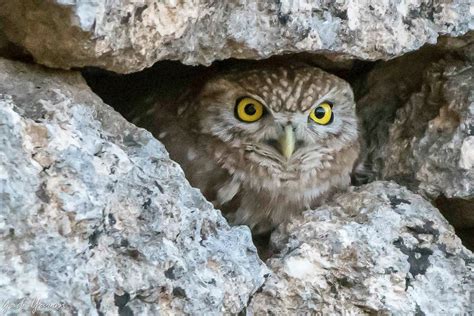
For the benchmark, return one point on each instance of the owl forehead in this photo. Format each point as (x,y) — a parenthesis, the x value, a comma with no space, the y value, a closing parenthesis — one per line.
(286,88)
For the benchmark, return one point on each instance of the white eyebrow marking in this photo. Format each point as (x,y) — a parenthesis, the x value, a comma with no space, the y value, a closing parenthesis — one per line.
(326,96)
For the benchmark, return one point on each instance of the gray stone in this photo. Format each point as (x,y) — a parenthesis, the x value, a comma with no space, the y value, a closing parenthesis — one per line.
(94,216)
(418,119)
(377,249)
(431,141)
(127,37)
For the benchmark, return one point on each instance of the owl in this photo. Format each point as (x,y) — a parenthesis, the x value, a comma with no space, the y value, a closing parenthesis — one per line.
(264,142)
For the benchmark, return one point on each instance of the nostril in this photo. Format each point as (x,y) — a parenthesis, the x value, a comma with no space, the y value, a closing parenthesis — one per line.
(293,127)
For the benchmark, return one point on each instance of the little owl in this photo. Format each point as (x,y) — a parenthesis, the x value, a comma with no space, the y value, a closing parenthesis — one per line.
(265,142)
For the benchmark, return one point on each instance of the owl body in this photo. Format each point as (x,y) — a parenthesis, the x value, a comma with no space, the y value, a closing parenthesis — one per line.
(264,143)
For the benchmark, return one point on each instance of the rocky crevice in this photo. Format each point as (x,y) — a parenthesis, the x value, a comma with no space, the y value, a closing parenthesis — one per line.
(95,218)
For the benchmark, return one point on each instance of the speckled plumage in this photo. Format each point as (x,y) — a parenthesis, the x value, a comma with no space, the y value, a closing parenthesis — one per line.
(235,164)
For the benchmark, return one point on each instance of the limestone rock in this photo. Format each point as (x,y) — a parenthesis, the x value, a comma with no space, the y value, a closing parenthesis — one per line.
(417,115)
(378,249)
(129,36)
(431,141)
(94,216)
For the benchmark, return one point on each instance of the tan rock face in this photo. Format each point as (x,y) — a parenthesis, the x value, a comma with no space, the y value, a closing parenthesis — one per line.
(127,37)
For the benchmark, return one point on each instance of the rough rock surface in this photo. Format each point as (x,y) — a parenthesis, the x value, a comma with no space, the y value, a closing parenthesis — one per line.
(129,36)
(378,249)
(94,216)
(431,141)
(418,119)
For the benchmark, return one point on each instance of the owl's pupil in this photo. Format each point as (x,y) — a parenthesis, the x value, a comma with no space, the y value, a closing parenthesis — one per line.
(250,109)
(320,112)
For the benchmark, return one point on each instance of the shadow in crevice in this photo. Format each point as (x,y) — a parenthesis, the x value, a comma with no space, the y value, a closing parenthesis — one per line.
(460,214)
(12,51)
(134,95)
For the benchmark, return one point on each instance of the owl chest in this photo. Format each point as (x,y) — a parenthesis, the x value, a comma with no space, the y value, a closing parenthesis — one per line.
(269,203)
(266,191)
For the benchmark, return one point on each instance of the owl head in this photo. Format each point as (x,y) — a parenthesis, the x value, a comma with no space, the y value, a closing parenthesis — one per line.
(280,122)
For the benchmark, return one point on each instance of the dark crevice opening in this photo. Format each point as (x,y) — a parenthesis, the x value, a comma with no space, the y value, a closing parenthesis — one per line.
(459,213)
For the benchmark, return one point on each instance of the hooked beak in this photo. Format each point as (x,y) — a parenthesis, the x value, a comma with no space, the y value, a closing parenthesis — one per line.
(287,142)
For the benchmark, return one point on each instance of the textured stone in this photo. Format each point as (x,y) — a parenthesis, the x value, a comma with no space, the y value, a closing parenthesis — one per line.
(377,249)
(417,115)
(129,36)
(430,141)
(94,216)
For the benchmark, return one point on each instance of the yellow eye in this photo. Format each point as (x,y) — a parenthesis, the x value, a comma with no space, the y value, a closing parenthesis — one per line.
(322,114)
(248,110)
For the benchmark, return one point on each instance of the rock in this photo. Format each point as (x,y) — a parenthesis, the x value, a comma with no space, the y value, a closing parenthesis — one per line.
(417,115)
(430,142)
(377,249)
(127,37)
(96,219)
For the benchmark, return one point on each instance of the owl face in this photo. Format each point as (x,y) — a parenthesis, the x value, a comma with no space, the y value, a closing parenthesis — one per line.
(287,120)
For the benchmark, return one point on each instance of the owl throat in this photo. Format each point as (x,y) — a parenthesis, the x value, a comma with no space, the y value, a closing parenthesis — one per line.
(263,192)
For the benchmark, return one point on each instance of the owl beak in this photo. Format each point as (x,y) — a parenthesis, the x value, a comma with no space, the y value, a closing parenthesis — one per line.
(287,142)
